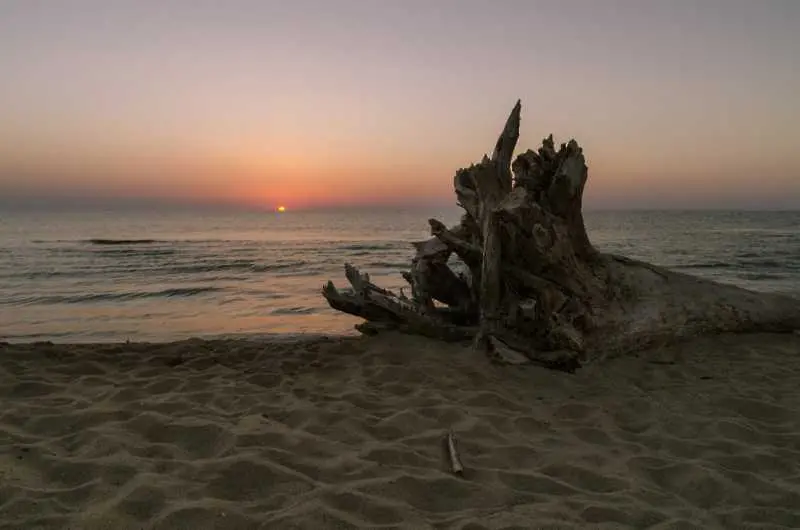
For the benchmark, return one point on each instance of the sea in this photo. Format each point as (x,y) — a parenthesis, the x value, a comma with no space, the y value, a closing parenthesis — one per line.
(162,275)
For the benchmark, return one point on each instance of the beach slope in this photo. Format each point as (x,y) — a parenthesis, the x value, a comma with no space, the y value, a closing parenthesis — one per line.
(347,433)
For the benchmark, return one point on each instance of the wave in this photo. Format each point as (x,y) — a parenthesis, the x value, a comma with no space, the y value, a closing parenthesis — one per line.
(106,250)
(123,241)
(766,264)
(243,265)
(42,275)
(751,264)
(706,265)
(760,276)
(142,241)
(315,271)
(294,311)
(389,265)
(135,252)
(115,297)
(132,268)
(368,247)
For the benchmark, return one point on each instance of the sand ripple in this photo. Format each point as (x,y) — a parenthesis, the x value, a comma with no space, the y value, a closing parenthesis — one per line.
(348,434)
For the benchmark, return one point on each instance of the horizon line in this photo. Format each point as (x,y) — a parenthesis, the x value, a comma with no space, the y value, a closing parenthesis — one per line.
(123,204)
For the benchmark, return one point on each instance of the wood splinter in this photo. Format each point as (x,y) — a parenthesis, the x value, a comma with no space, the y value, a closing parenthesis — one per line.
(452,452)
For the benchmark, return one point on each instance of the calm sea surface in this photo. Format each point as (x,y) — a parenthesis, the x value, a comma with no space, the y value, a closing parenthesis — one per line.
(71,277)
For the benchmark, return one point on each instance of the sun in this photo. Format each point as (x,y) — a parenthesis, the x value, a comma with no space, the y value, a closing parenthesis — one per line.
(280,209)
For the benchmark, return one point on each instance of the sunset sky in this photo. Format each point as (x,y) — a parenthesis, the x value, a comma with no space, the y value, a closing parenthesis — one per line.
(677,103)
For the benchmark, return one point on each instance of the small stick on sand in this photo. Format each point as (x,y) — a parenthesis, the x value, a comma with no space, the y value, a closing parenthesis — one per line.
(452,452)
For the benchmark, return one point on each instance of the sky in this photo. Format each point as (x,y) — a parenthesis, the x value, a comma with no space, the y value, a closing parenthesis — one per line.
(677,103)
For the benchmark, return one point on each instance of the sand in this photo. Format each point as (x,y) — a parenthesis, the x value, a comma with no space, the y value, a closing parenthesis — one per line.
(347,433)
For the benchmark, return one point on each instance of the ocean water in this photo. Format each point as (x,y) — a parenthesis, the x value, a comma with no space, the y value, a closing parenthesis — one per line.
(157,276)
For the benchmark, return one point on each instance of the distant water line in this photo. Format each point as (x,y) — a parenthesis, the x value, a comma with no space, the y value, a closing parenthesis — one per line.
(93,277)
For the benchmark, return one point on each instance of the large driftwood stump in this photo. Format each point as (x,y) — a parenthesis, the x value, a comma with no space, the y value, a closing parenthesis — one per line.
(536,289)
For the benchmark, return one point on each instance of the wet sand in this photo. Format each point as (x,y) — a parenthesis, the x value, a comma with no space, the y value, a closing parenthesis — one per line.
(347,433)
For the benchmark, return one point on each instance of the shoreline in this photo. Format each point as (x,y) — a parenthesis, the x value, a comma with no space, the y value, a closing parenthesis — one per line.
(346,432)
(263,337)
(282,338)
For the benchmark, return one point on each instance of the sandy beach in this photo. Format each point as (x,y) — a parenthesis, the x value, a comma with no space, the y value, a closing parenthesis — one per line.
(347,433)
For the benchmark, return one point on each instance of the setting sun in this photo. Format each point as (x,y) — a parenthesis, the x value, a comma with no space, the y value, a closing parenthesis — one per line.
(281,209)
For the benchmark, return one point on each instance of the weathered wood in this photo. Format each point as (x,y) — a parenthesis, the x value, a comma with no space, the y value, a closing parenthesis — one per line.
(390,311)
(432,279)
(537,289)
(470,253)
(473,255)
(509,348)
(452,454)
(505,355)
(492,180)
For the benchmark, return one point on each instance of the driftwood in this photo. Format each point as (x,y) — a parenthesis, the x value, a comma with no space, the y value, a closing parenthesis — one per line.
(534,289)
(452,454)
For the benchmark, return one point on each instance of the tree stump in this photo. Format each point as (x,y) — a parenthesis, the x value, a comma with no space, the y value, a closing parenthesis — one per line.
(536,289)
